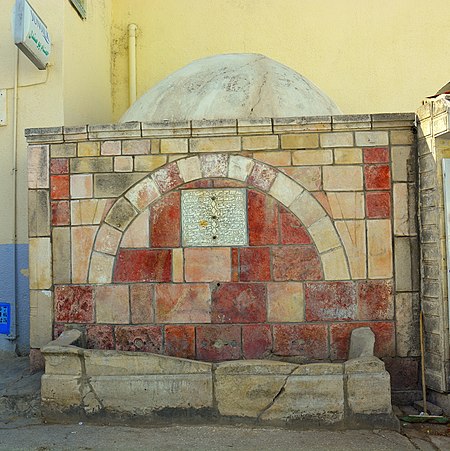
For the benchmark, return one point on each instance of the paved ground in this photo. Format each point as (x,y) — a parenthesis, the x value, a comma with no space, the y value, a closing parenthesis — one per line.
(22,429)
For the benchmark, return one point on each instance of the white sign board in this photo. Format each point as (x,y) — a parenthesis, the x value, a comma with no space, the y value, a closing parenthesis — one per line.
(31,34)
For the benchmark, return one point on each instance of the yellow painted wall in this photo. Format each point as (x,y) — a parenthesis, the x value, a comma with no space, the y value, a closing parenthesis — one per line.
(368,55)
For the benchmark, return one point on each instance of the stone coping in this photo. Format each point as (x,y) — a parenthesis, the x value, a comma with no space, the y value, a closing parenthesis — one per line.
(122,385)
(224,127)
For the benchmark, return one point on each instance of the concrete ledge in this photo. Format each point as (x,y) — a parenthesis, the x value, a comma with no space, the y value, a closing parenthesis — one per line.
(95,384)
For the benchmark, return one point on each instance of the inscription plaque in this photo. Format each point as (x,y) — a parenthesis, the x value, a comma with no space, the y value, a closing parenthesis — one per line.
(214,217)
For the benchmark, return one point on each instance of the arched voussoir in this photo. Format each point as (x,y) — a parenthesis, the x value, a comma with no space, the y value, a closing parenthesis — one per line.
(251,172)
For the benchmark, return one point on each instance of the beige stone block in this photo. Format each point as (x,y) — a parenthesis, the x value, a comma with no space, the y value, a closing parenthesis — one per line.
(89,149)
(112,304)
(353,236)
(91,164)
(61,254)
(324,234)
(402,164)
(214,127)
(309,398)
(87,211)
(340,139)
(38,213)
(254,126)
(351,155)
(60,391)
(379,248)
(147,163)
(401,213)
(63,150)
(177,157)
(307,209)
(402,137)
(300,141)
(407,308)
(342,178)
(111,148)
(179,145)
(177,265)
(285,302)
(82,240)
(38,162)
(155,146)
(285,189)
(309,177)
(335,265)
(101,268)
(239,168)
(218,144)
(136,147)
(346,205)
(269,142)
(41,318)
(403,264)
(123,164)
(107,240)
(190,168)
(81,186)
(274,158)
(369,394)
(147,393)
(378,138)
(40,263)
(312,157)
(138,234)
(143,194)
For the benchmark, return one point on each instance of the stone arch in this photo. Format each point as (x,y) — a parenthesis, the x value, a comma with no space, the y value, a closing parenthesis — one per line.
(265,178)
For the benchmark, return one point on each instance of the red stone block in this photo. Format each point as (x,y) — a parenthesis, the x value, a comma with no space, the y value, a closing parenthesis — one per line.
(340,338)
(168,177)
(404,372)
(196,184)
(375,300)
(100,337)
(262,176)
(262,219)
(143,265)
(377,176)
(292,230)
(239,303)
(59,166)
(330,301)
(235,265)
(307,340)
(141,303)
(183,303)
(378,205)
(180,341)
(376,155)
(165,220)
(216,343)
(60,213)
(139,338)
(227,183)
(256,341)
(59,187)
(296,263)
(74,304)
(255,264)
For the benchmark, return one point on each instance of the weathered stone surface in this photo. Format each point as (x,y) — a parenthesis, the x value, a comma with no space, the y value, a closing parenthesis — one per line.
(407,326)
(190,168)
(285,189)
(309,177)
(112,304)
(334,265)
(274,158)
(138,232)
(307,209)
(353,236)
(107,240)
(121,214)
(343,139)
(219,144)
(143,194)
(91,164)
(312,157)
(82,240)
(260,142)
(351,155)
(285,302)
(239,167)
(37,167)
(324,234)
(378,138)
(113,185)
(300,141)
(362,341)
(379,251)
(61,255)
(40,265)
(41,317)
(342,178)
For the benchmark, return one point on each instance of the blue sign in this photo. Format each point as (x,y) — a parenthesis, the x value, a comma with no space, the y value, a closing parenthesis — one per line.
(5,318)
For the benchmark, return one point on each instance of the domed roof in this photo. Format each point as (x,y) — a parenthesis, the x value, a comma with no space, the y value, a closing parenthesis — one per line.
(234,86)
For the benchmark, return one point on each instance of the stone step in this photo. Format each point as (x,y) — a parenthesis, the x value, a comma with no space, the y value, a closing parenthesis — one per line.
(433,409)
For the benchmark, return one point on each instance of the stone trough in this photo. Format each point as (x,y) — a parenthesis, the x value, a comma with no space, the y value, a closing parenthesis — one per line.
(150,388)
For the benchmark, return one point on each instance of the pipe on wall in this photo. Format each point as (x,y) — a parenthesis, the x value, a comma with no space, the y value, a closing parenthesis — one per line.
(132,63)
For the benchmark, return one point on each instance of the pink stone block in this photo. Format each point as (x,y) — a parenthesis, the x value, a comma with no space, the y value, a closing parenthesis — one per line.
(207,264)
(139,338)
(138,232)
(168,177)
(60,213)
(285,302)
(112,304)
(165,216)
(59,166)
(141,303)
(262,219)
(216,343)
(74,304)
(262,176)
(296,263)
(214,165)
(256,341)
(82,240)
(182,303)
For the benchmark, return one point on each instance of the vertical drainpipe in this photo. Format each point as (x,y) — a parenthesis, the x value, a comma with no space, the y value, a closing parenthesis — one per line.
(132,63)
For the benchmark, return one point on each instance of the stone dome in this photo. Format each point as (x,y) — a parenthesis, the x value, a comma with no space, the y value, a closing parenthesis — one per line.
(233,86)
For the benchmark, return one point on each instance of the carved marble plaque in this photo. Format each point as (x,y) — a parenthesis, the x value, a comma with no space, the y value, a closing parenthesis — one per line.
(214,217)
